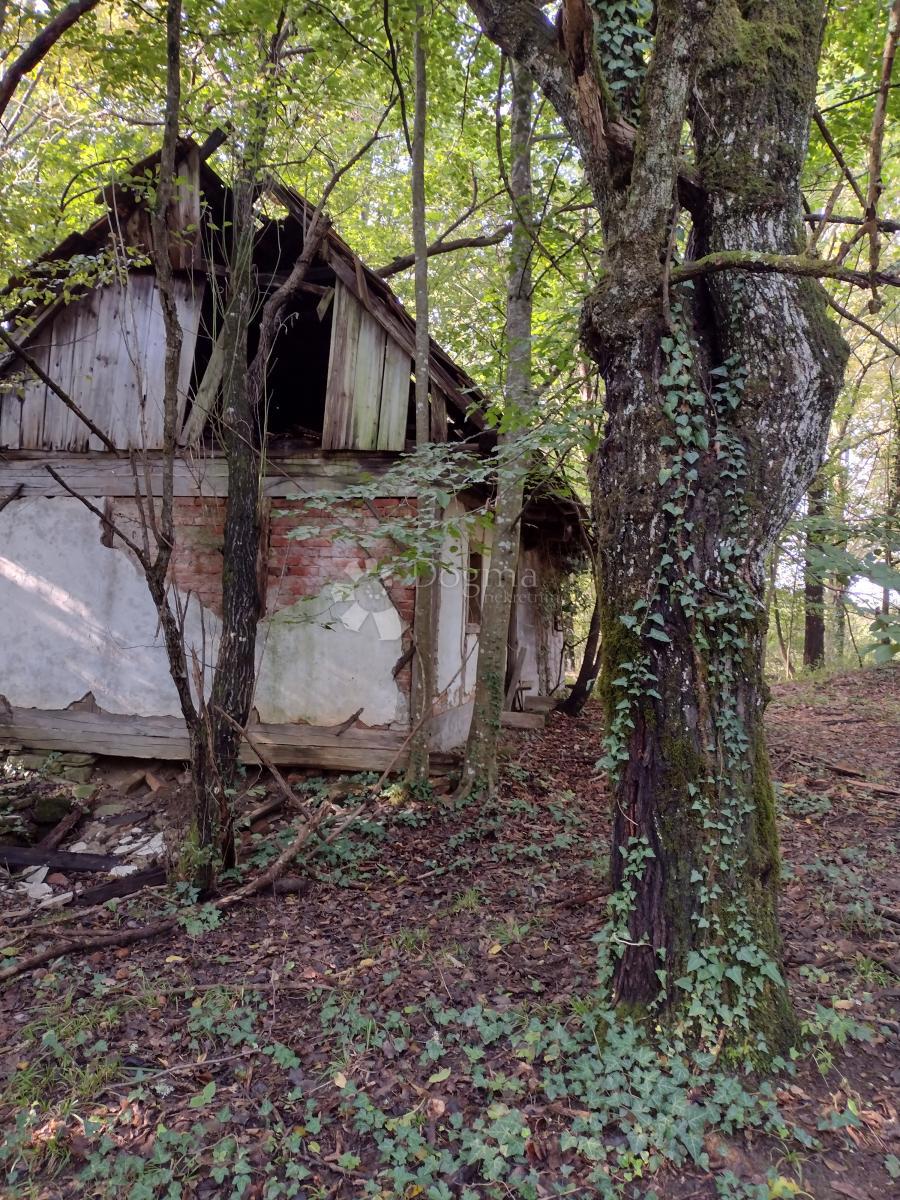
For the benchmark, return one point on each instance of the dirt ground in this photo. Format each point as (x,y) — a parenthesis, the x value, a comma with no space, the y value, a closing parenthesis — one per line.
(391,1028)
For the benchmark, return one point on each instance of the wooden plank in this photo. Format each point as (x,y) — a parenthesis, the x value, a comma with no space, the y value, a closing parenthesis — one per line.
(337,424)
(438,414)
(59,422)
(405,336)
(367,383)
(34,394)
(523,720)
(11,417)
(102,475)
(166,738)
(84,364)
(60,860)
(395,397)
(150,412)
(205,396)
(514,678)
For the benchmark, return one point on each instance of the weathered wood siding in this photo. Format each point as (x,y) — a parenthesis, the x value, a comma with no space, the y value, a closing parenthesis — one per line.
(367,396)
(107,351)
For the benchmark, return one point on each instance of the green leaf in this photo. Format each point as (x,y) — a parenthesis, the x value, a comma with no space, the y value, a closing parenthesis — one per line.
(203,1098)
(439,1076)
(658,635)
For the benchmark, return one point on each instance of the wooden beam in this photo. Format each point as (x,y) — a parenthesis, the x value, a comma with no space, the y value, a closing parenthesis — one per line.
(96,474)
(523,720)
(129,736)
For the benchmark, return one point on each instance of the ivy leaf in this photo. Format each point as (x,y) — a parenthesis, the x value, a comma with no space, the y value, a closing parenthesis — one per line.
(203,1098)
(658,635)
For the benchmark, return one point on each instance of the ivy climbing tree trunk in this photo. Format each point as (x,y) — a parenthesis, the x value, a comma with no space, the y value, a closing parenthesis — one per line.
(718,399)
(480,766)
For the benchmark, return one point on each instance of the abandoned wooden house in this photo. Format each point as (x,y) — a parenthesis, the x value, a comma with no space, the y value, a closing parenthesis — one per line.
(81,659)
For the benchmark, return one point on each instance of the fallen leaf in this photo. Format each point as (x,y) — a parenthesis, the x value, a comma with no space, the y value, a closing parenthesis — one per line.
(340,1080)
(439,1076)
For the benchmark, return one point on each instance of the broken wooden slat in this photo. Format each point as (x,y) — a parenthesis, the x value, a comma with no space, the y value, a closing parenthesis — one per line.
(367,384)
(116,888)
(337,424)
(34,395)
(59,860)
(395,397)
(205,396)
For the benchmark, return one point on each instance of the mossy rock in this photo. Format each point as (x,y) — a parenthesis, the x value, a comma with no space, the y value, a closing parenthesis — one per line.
(51,808)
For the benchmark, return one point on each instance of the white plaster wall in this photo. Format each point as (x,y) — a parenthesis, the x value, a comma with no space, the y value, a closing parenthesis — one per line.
(543,644)
(76,616)
(457,650)
(316,669)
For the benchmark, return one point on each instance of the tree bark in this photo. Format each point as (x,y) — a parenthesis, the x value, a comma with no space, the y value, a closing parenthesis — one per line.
(813,583)
(480,766)
(718,401)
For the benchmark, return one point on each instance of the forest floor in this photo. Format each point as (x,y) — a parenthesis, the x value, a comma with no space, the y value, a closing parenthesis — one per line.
(419,1021)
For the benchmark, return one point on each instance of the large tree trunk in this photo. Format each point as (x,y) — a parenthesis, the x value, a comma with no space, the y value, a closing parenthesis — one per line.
(718,400)
(813,582)
(682,555)
(480,766)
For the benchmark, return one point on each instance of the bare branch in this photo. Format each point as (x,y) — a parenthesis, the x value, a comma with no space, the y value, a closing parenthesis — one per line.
(814,218)
(876,143)
(870,329)
(403,262)
(104,519)
(838,156)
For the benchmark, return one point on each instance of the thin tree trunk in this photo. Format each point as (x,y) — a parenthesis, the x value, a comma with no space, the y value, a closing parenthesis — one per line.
(424,617)
(480,767)
(583,688)
(813,584)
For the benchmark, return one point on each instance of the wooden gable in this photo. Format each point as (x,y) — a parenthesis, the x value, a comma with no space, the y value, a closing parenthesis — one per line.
(107,351)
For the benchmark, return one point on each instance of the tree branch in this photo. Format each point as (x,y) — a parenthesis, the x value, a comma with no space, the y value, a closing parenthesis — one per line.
(403,262)
(870,329)
(781,264)
(885,225)
(40,47)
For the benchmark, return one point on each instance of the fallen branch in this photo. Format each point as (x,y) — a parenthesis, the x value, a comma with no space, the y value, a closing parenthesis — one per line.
(128,937)
(70,821)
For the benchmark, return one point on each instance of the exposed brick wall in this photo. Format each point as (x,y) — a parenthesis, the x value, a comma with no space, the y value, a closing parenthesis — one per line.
(196,563)
(301,567)
(296,568)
